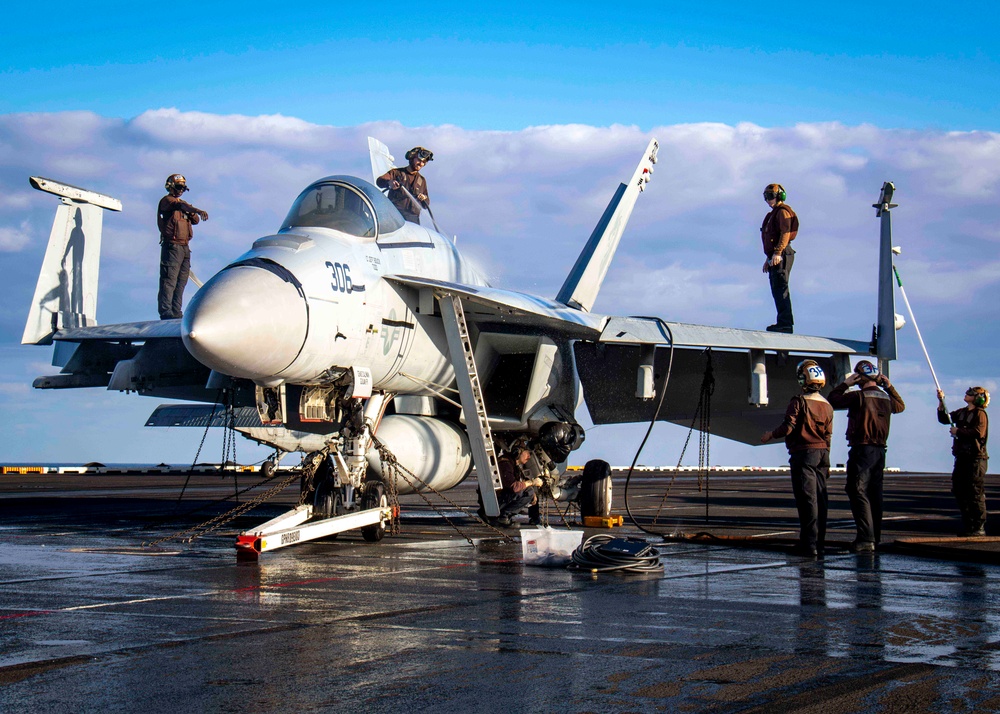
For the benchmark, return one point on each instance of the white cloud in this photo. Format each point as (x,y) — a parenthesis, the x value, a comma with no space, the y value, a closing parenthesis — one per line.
(15,201)
(171,126)
(76,132)
(950,282)
(14,239)
(679,293)
(15,390)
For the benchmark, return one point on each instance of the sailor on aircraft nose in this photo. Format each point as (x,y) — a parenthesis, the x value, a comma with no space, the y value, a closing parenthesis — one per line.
(248,321)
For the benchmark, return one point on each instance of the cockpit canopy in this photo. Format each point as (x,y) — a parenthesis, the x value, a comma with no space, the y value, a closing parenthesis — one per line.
(346,204)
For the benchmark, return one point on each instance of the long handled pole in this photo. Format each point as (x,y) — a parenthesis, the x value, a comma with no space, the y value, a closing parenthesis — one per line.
(419,205)
(902,291)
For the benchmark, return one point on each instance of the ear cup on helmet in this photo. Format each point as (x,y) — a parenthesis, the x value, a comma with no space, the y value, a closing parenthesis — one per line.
(775,191)
(810,375)
(980,396)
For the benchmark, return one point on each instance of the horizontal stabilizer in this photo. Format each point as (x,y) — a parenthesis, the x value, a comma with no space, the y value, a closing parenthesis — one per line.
(202,415)
(245,420)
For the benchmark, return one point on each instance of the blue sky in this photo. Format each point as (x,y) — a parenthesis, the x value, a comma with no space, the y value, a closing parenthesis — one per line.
(513,66)
(535,114)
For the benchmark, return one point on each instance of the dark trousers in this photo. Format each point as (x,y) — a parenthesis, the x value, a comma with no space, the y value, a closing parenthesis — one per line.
(513,503)
(175,266)
(778,276)
(968,483)
(810,471)
(865,464)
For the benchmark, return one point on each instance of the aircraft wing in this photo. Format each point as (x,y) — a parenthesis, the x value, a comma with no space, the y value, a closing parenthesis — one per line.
(750,374)
(752,371)
(492,306)
(651,330)
(127,331)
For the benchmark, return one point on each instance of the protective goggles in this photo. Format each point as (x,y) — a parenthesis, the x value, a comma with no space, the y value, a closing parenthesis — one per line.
(770,195)
(425,154)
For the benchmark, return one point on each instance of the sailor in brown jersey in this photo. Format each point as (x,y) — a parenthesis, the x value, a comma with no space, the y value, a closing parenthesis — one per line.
(970,428)
(407,186)
(777,231)
(807,429)
(868,412)
(519,492)
(174,218)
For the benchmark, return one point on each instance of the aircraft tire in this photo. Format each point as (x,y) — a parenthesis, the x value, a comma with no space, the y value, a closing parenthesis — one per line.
(326,500)
(374,497)
(595,491)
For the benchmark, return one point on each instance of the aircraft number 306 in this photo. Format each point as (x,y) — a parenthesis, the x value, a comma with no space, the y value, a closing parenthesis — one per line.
(341,277)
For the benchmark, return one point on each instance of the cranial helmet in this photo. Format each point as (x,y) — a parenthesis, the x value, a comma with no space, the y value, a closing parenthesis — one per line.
(774,191)
(810,375)
(980,397)
(176,182)
(866,370)
(421,153)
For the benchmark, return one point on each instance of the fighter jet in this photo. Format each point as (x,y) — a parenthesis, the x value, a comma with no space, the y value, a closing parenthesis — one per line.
(350,334)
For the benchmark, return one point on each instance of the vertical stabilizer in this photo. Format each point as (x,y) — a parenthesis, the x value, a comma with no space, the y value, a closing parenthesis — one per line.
(382,160)
(885,343)
(584,281)
(66,292)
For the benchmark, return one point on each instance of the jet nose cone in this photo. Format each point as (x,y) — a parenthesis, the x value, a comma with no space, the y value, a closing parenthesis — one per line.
(246,322)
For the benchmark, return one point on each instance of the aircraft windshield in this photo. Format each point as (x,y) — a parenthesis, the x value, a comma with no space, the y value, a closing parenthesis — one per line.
(332,206)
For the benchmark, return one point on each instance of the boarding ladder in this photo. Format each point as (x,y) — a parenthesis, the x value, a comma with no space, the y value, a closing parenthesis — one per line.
(471,392)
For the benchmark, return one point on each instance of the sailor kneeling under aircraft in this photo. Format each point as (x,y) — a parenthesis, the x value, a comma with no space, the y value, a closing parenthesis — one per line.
(518,492)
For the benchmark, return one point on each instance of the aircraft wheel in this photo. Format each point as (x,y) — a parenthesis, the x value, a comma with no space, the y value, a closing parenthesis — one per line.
(326,501)
(595,491)
(267,469)
(374,497)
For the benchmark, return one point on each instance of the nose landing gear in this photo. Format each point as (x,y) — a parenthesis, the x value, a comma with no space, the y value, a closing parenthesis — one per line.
(375,497)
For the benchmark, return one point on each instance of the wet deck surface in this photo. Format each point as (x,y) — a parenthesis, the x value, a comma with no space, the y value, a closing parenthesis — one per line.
(91,621)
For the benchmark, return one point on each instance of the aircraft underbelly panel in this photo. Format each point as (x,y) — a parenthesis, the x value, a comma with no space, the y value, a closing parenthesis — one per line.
(609,375)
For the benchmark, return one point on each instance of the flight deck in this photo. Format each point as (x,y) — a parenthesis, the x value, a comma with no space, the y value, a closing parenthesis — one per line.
(445,615)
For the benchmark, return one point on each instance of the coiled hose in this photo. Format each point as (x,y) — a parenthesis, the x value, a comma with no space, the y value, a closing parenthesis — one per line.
(595,555)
